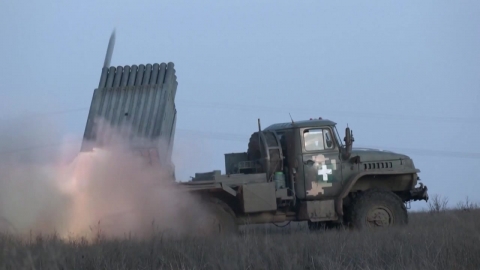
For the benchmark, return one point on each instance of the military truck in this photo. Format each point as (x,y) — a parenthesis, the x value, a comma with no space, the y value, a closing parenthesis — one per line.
(294,171)
(303,171)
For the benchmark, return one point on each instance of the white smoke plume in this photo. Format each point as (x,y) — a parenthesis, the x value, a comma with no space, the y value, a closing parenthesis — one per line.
(111,188)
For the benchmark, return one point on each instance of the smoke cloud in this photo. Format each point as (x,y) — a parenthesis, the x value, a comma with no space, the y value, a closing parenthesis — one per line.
(112,188)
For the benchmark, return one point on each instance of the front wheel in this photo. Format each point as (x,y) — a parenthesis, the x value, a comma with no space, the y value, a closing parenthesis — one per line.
(377,209)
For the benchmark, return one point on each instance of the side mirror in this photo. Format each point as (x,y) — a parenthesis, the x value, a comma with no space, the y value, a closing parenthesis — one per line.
(347,151)
(348,136)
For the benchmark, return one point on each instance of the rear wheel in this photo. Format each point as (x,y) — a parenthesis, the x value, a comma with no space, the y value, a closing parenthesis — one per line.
(377,209)
(218,219)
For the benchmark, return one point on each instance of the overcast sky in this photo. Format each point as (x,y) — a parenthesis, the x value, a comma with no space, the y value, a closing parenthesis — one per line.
(404,75)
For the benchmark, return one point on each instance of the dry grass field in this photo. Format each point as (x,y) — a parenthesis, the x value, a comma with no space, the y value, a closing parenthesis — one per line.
(439,238)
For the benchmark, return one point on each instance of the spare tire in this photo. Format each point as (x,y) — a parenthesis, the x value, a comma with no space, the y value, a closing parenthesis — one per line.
(256,151)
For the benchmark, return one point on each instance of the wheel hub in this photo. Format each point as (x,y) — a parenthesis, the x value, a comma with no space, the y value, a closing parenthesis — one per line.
(380,217)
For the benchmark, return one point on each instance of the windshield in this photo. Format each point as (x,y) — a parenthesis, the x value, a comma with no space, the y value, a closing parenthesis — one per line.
(337,136)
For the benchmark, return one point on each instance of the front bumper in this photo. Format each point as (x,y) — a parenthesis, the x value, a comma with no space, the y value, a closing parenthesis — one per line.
(419,193)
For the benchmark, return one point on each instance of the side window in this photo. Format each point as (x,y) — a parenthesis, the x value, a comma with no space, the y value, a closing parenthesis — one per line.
(317,139)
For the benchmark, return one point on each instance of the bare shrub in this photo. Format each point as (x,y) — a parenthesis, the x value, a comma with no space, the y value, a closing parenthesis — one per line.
(437,204)
(467,205)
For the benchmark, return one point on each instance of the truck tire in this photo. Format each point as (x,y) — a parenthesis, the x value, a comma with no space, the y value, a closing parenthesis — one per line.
(377,209)
(219,218)
(254,151)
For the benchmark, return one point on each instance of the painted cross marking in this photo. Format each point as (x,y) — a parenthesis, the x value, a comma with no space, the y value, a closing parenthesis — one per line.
(325,172)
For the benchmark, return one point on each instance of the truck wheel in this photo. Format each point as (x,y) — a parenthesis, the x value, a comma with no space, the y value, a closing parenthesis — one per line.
(219,218)
(377,209)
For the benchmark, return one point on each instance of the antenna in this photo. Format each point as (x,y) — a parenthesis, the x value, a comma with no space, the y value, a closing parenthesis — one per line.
(291,118)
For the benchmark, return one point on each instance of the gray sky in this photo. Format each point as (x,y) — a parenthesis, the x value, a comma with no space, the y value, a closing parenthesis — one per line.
(403,75)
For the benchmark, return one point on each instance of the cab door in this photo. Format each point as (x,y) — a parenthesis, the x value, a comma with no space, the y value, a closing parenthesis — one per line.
(322,168)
